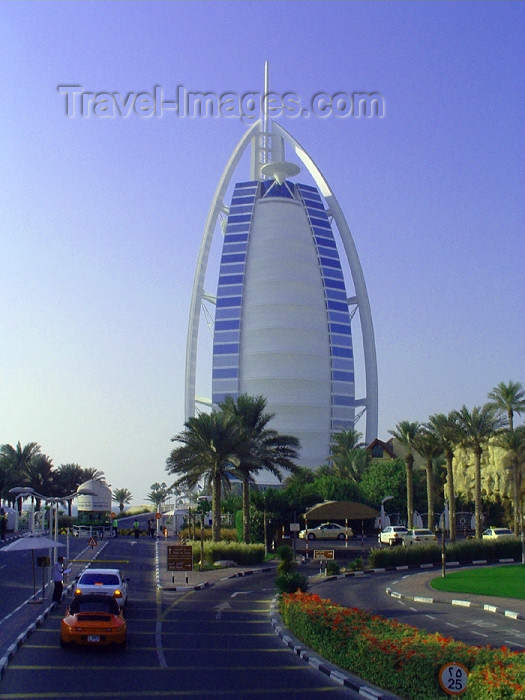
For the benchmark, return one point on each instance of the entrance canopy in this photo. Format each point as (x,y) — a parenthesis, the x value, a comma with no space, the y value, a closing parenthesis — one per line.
(341,510)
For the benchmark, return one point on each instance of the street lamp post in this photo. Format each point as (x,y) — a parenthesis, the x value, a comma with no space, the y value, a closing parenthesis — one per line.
(52,502)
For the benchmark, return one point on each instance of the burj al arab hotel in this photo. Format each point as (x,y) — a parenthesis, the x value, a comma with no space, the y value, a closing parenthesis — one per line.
(288,294)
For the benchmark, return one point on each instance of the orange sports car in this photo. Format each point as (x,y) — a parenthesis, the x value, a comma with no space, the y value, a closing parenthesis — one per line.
(93,620)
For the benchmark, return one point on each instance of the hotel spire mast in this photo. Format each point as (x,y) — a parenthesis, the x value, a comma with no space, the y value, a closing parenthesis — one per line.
(283,317)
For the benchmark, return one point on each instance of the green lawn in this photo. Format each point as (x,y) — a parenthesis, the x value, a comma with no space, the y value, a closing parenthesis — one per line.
(504,581)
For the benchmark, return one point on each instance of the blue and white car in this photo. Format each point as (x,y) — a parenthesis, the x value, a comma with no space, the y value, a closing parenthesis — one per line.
(104,582)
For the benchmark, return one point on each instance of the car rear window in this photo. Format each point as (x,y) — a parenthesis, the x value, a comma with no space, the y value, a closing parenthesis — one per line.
(99,579)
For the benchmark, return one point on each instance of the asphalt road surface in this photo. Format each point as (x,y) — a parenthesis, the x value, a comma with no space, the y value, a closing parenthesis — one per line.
(470,625)
(216,642)
(212,643)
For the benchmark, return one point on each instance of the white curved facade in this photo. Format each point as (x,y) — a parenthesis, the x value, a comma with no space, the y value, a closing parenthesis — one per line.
(283,313)
(285,353)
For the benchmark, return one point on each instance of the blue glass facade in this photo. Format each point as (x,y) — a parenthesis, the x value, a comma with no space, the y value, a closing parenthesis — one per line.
(227,333)
(338,317)
(228,317)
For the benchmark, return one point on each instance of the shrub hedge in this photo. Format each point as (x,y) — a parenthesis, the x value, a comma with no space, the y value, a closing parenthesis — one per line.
(463,551)
(241,554)
(396,657)
(227,533)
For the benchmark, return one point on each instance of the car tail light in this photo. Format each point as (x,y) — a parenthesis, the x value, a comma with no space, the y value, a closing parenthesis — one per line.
(78,591)
(117,593)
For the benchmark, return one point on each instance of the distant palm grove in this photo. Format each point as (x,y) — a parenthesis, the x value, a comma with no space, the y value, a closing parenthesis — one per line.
(235,443)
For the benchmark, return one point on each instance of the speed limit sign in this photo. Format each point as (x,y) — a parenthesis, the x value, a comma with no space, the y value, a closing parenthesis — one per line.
(453,678)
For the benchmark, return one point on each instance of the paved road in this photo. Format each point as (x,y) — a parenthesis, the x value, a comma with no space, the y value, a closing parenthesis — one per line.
(212,643)
(468,624)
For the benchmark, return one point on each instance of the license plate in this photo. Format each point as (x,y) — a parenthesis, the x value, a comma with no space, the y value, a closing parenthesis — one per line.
(93,638)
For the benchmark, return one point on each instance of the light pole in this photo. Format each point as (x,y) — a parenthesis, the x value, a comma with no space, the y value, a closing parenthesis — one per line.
(21,491)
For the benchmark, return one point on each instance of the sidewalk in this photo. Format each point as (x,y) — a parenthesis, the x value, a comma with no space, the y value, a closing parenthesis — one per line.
(30,614)
(416,587)
(193,580)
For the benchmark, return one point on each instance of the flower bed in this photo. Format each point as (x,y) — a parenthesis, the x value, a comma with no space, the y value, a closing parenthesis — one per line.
(399,658)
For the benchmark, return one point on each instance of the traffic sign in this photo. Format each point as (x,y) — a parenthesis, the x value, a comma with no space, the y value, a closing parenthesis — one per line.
(92,542)
(180,558)
(323,553)
(453,678)
(158,515)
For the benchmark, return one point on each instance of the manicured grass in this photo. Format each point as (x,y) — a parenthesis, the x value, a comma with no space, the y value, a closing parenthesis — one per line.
(504,581)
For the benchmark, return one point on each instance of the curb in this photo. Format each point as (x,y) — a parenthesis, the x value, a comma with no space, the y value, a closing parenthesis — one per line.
(464,603)
(199,586)
(430,600)
(305,653)
(11,651)
(24,636)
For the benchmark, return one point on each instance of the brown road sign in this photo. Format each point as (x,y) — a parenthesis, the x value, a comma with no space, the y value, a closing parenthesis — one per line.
(323,553)
(180,557)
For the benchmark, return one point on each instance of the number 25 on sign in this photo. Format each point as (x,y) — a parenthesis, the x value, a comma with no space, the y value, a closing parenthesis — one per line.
(453,678)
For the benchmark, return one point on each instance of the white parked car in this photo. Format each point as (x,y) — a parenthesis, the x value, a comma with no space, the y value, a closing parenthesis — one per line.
(103,582)
(392,535)
(497,533)
(420,535)
(327,531)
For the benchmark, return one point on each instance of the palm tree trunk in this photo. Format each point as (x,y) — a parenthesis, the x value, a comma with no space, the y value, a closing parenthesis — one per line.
(517,497)
(410,490)
(478,515)
(451,497)
(216,508)
(246,508)
(430,496)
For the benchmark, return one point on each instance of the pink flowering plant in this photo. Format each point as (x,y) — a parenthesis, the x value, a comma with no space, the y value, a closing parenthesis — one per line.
(397,657)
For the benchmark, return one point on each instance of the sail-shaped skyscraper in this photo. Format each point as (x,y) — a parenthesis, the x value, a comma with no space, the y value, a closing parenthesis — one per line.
(283,310)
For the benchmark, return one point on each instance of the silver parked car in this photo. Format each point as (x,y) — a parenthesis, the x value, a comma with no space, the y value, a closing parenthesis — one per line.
(392,535)
(420,535)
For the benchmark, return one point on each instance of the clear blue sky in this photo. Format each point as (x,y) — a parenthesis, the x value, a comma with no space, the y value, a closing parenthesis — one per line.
(101,218)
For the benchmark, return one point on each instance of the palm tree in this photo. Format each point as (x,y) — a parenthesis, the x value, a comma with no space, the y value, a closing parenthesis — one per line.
(429,447)
(123,497)
(347,459)
(344,441)
(406,432)
(38,475)
(14,462)
(514,442)
(92,473)
(475,428)
(351,465)
(509,399)
(158,493)
(209,443)
(261,447)
(66,479)
(446,431)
